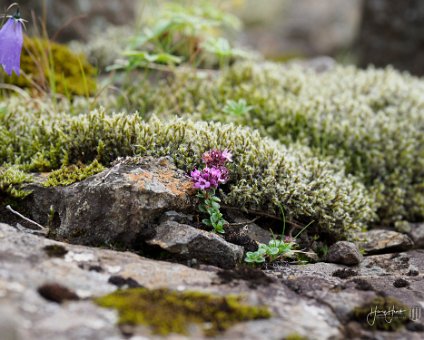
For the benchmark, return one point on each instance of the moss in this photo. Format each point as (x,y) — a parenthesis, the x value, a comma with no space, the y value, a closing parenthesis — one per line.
(295,336)
(368,121)
(11,180)
(265,173)
(67,175)
(393,320)
(49,66)
(167,311)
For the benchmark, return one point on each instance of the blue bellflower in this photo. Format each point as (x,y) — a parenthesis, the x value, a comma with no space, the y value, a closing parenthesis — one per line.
(11,40)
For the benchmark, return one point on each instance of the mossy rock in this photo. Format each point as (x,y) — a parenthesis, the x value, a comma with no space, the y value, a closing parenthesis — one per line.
(167,311)
(49,66)
(264,173)
(11,180)
(67,175)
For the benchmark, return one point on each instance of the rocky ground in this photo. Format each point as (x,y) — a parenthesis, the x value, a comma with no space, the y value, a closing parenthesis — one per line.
(49,277)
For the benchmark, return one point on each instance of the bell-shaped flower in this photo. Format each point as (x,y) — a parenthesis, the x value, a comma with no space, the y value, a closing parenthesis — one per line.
(11,41)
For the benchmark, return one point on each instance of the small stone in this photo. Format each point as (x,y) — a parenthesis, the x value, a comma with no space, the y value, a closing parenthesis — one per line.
(122,282)
(413,271)
(417,234)
(379,241)
(344,252)
(56,293)
(400,283)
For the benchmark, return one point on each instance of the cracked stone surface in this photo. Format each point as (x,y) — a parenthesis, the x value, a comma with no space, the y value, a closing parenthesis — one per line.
(308,300)
(25,265)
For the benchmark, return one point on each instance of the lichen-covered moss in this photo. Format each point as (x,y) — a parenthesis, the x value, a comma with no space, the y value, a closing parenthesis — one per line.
(67,175)
(382,313)
(371,120)
(167,311)
(265,173)
(11,180)
(53,67)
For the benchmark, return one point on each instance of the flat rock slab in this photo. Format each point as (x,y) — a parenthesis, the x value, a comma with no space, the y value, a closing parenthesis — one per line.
(384,241)
(191,243)
(25,265)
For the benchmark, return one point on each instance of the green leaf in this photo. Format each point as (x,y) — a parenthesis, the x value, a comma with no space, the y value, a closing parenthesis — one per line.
(272,251)
(215,205)
(207,222)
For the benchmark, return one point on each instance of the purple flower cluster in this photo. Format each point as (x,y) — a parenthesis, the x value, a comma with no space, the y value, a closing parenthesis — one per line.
(216,158)
(215,172)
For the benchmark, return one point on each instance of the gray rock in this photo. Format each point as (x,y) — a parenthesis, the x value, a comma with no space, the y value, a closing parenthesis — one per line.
(254,231)
(344,252)
(189,242)
(384,241)
(24,266)
(115,207)
(391,33)
(9,323)
(417,234)
(176,217)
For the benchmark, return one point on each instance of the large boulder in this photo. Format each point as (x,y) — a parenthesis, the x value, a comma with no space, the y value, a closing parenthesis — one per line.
(117,207)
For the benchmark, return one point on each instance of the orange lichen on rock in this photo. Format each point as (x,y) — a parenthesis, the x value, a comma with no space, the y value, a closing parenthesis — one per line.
(167,178)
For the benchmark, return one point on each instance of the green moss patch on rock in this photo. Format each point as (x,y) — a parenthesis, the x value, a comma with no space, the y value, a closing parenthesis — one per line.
(11,180)
(67,175)
(49,66)
(382,313)
(167,311)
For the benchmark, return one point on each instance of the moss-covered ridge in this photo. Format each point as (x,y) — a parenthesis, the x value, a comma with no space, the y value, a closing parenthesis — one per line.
(371,120)
(167,311)
(265,173)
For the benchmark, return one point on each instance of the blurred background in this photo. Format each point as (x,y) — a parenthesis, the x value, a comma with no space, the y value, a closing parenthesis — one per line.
(361,32)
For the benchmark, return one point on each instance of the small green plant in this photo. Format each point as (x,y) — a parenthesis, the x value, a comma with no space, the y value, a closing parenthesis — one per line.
(177,33)
(276,249)
(207,180)
(237,108)
(210,205)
